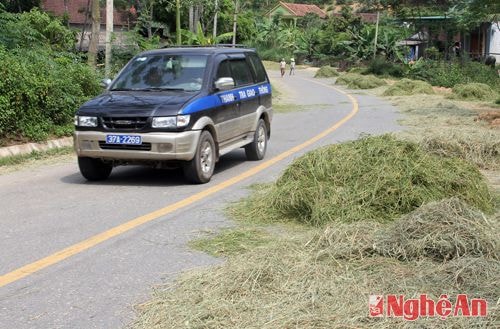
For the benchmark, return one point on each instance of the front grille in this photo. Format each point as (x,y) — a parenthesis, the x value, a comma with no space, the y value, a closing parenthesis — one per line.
(124,123)
(141,147)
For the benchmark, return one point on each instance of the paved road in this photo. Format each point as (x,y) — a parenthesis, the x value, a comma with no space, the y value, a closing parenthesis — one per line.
(46,209)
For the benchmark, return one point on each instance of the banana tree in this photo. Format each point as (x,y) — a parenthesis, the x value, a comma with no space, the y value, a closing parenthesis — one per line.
(198,38)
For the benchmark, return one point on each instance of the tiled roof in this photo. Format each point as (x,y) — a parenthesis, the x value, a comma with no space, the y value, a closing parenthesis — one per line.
(301,9)
(76,10)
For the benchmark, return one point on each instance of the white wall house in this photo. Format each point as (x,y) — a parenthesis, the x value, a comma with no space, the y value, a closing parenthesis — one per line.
(494,44)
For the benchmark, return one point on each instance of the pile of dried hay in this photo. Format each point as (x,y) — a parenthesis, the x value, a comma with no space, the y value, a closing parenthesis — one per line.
(358,81)
(325,281)
(407,87)
(440,231)
(474,91)
(481,147)
(326,72)
(373,178)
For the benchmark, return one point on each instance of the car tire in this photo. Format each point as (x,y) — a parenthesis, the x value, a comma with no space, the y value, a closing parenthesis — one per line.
(257,149)
(94,169)
(201,168)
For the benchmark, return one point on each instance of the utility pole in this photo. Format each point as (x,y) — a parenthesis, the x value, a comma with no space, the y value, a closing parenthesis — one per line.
(376,34)
(215,18)
(109,33)
(235,20)
(178,21)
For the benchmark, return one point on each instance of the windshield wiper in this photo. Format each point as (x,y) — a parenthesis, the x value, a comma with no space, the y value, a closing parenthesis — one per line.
(122,89)
(163,89)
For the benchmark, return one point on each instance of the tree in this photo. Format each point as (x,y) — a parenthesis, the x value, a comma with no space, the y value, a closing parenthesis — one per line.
(19,6)
(94,38)
(470,13)
(178,21)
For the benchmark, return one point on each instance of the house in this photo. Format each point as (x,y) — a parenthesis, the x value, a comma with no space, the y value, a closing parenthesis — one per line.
(479,42)
(78,14)
(291,12)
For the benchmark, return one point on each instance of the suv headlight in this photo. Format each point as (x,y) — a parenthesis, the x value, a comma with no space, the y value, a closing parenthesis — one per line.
(85,121)
(171,122)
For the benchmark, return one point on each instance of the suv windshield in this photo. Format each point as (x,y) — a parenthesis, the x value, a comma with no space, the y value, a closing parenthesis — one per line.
(163,72)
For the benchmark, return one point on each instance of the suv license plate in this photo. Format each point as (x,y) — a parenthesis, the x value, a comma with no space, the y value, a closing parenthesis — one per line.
(123,139)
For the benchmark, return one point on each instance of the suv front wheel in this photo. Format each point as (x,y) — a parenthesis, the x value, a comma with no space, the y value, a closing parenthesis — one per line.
(94,169)
(257,149)
(201,168)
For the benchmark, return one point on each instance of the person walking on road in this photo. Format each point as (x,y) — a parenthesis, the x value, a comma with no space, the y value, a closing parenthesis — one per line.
(282,67)
(292,66)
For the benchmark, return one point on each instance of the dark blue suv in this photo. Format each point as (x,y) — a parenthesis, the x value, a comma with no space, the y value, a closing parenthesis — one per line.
(177,107)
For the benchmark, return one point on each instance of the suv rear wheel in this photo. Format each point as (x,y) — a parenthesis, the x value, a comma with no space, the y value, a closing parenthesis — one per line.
(257,149)
(94,169)
(201,168)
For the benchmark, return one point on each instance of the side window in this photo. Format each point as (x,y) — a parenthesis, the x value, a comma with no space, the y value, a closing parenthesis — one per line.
(258,68)
(224,71)
(241,72)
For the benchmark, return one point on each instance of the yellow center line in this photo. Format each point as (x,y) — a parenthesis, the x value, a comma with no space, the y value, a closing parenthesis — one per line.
(79,247)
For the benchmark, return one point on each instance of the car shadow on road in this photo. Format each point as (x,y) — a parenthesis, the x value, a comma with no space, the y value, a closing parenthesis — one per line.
(147,176)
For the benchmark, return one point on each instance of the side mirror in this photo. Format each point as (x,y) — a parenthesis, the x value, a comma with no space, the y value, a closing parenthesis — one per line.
(105,83)
(224,84)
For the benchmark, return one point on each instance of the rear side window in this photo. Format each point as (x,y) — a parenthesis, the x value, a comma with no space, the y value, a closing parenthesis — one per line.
(258,68)
(224,70)
(241,72)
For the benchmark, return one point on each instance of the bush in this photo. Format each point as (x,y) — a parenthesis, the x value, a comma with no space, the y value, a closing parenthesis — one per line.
(449,74)
(357,81)
(374,178)
(478,91)
(41,90)
(34,28)
(326,72)
(406,87)
(273,54)
(380,66)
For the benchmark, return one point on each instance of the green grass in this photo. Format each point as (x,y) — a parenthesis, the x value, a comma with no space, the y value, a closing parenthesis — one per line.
(34,156)
(270,65)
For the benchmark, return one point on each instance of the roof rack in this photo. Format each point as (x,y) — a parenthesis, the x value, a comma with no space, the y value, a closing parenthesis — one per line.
(218,45)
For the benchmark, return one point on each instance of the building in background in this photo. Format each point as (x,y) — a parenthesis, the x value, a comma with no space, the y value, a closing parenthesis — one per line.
(77,14)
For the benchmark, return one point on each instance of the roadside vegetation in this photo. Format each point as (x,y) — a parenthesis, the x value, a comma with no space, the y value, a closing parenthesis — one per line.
(43,82)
